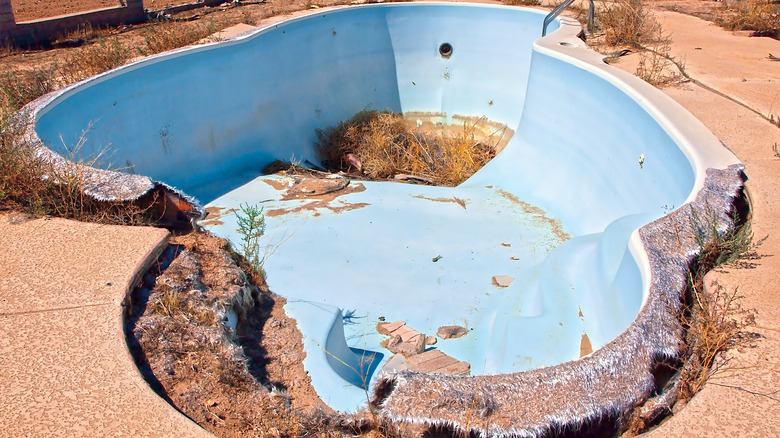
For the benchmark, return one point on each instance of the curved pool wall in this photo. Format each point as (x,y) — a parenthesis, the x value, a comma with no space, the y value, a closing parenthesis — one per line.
(561,208)
(207,119)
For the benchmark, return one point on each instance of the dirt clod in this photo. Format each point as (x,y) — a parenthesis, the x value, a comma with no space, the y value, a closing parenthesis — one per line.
(451,331)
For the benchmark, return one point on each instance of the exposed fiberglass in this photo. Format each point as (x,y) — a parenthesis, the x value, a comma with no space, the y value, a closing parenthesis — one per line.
(552,216)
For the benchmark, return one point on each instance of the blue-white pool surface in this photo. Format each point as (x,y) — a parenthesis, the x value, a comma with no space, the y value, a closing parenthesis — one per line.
(595,154)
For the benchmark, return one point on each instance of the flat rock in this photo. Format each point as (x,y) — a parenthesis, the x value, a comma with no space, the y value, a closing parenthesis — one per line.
(451,331)
(385,328)
(502,280)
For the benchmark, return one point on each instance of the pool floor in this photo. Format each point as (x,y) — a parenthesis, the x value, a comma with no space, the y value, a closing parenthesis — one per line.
(370,252)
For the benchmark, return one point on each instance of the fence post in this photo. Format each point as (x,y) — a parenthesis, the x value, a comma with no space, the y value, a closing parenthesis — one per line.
(7,21)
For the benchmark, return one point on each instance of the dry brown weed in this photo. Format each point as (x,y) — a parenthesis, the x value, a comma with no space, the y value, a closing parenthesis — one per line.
(762,16)
(385,146)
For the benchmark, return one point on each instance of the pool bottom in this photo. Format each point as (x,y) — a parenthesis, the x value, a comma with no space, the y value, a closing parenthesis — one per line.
(369,252)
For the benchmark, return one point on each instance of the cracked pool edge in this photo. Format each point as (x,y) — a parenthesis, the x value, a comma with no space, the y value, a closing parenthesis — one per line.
(610,382)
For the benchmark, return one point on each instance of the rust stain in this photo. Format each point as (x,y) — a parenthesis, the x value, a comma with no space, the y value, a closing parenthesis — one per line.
(554,224)
(454,200)
(585,347)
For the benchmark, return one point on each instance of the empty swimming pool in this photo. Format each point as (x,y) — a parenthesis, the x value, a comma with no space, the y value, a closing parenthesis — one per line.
(594,155)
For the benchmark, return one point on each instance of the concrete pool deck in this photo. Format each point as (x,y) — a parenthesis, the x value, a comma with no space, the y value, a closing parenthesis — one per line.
(64,370)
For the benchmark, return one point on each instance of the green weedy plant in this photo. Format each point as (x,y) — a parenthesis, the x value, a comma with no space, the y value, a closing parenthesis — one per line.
(251,226)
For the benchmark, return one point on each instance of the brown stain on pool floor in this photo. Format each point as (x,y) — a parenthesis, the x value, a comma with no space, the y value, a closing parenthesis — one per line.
(541,216)
(316,194)
(454,200)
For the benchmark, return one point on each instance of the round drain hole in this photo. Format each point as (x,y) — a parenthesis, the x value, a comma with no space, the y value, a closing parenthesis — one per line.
(445,50)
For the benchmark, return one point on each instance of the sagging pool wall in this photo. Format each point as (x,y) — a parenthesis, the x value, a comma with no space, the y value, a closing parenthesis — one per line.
(208,119)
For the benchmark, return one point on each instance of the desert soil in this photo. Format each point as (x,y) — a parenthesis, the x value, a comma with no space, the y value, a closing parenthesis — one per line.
(28,10)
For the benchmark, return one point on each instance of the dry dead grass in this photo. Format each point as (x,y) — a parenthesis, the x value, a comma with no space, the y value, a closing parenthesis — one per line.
(385,146)
(629,25)
(715,320)
(40,188)
(625,22)
(762,16)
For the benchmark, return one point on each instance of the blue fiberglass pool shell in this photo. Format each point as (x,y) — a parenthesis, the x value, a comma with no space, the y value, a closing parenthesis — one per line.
(594,155)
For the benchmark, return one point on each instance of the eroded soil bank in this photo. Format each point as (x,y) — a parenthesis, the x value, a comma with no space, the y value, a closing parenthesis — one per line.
(219,347)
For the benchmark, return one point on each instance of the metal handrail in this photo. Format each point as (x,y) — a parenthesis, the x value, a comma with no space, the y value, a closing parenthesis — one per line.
(557,11)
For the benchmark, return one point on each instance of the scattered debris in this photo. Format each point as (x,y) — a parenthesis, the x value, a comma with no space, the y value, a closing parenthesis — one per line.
(502,280)
(403,339)
(408,346)
(435,361)
(303,186)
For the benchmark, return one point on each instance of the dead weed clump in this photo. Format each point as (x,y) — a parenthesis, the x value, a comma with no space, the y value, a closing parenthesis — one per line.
(39,186)
(625,23)
(713,318)
(22,183)
(761,16)
(89,60)
(166,35)
(628,25)
(381,145)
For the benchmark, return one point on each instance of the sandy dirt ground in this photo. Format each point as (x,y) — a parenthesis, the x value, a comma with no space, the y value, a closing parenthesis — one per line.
(28,10)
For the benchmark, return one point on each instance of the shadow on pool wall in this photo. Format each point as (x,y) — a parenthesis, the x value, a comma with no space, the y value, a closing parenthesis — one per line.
(207,119)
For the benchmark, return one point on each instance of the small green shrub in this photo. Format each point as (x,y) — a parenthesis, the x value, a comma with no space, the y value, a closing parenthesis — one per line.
(251,226)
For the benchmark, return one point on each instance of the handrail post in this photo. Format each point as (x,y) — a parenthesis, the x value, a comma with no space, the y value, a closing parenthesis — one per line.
(557,11)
